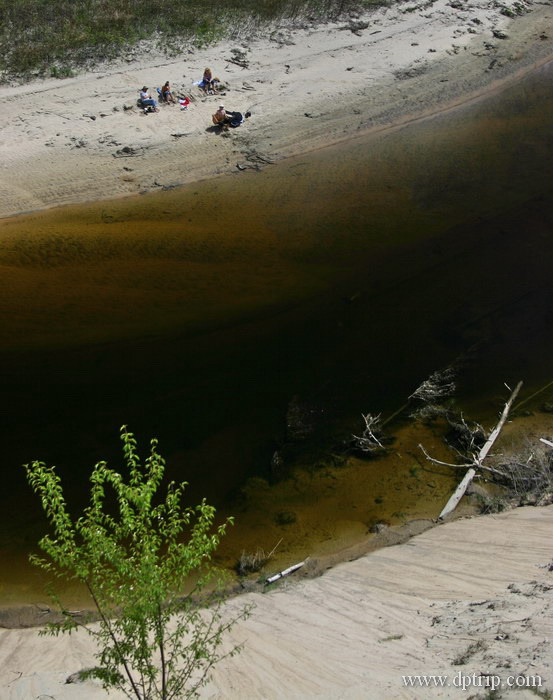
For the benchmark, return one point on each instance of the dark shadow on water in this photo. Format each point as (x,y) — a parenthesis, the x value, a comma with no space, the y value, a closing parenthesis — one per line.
(343,278)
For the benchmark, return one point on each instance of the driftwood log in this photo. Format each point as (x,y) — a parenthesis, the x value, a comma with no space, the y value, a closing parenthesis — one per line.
(477,460)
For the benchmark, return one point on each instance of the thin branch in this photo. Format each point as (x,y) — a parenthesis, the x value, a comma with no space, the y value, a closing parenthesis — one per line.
(529,398)
(444,464)
(273,550)
(368,442)
(114,639)
(162,654)
(237,62)
(394,414)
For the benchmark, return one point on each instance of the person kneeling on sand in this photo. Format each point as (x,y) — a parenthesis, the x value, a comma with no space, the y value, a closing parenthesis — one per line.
(225,118)
(146,100)
(220,118)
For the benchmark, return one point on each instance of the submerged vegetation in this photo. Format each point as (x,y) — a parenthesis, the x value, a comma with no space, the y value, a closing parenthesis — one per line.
(52,37)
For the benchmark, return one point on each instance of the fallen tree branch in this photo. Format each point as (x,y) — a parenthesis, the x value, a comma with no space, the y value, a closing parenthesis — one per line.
(495,432)
(457,494)
(477,464)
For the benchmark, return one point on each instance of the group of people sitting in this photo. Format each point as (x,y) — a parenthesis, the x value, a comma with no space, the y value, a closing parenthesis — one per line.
(222,117)
(207,84)
(149,104)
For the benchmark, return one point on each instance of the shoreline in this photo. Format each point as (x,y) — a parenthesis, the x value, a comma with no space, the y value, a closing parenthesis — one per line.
(365,624)
(312,88)
(19,616)
(518,431)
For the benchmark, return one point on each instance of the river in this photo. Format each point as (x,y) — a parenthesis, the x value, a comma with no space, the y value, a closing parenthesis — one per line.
(330,284)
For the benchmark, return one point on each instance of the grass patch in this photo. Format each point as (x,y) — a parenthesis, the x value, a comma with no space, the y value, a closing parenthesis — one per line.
(63,72)
(251,562)
(39,34)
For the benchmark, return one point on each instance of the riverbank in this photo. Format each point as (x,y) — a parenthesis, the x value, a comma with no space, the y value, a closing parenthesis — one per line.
(468,600)
(83,138)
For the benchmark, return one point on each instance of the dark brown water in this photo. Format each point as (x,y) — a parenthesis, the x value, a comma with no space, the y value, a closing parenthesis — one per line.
(342,278)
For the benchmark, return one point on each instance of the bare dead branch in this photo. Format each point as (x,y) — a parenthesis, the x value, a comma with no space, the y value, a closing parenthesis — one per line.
(460,490)
(444,464)
(368,441)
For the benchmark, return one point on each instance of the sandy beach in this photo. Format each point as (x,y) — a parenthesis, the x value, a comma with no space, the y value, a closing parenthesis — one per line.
(83,138)
(468,600)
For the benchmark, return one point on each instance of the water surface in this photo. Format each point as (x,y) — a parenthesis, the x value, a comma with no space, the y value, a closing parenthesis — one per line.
(338,280)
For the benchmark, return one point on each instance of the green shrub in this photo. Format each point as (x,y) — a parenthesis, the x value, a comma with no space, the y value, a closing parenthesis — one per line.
(154,641)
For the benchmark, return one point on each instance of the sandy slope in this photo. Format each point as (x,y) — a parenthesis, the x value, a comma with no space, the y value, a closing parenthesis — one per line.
(414,608)
(305,88)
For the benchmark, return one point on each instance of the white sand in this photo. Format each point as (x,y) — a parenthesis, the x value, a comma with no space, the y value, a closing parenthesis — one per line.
(355,631)
(305,89)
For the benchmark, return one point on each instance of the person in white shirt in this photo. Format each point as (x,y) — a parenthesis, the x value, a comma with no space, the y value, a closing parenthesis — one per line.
(146,99)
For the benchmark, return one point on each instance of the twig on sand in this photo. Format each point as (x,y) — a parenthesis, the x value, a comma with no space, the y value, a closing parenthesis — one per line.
(19,675)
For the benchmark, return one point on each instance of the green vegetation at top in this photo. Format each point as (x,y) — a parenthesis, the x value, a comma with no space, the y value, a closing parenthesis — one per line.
(54,37)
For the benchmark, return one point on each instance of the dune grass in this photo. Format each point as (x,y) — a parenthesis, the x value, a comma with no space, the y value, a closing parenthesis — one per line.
(56,37)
